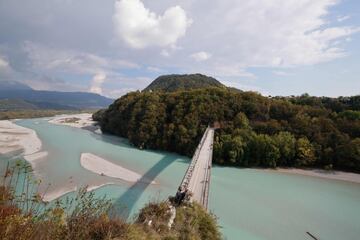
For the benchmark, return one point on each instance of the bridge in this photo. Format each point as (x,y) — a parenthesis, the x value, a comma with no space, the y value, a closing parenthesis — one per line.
(197,176)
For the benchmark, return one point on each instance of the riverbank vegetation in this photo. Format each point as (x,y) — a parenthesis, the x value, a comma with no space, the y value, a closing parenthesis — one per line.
(24,216)
(256,131)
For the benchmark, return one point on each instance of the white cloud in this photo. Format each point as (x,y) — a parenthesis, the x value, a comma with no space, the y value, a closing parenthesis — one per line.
(233,70)
(117,86)
(47,83)
(154,69)
(343,18)
(141,28)
(71,61)
(97,82)
(252,34)
(329,34)
(282,73)
(170,51)
(124,64)
(242,36)
(165,53)
(120,92)
(264,33)
(6,70)
(4,64)
(200,56)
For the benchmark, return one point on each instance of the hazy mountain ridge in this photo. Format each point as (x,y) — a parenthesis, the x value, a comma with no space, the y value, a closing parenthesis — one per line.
(13,85)
(21,96)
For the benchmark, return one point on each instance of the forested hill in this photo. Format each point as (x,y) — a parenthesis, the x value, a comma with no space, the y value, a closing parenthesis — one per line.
(171,83)
(256,131)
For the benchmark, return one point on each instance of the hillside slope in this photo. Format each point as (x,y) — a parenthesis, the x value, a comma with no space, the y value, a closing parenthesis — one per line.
(16,104)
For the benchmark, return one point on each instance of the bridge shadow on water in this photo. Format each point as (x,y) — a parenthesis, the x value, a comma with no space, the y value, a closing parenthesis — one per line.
(128,200)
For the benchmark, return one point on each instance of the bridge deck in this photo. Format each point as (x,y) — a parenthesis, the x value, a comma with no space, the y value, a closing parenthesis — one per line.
(197,177)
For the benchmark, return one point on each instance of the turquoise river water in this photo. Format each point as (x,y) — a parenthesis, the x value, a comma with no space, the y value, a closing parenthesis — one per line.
(250,204)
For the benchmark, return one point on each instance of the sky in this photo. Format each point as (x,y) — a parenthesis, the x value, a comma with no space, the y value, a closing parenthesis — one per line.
(111,47)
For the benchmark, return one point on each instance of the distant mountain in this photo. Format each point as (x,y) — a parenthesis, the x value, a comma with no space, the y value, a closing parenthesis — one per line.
(16,104)
(171,83)
(20,96)
(12,85)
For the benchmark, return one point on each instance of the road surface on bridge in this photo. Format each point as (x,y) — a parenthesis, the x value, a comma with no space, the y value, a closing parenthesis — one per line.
(197,178)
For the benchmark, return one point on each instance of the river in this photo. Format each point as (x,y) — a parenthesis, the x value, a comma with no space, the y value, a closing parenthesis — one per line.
(250,204)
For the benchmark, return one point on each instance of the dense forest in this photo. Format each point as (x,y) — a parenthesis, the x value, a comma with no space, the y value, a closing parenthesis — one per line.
(256,131)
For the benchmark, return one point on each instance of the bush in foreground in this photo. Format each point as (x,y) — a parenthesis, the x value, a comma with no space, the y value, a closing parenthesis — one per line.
(25,216)
(191,222)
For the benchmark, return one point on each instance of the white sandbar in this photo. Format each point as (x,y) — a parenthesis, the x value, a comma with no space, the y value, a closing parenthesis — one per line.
(101,166)
(36,156)
(81,120)
(59,192)
(14,137)
(334,175)
(52,195)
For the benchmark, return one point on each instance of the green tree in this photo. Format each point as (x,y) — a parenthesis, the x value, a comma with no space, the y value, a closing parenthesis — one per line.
(349,155)
(286,144)
(305,154)
(241,121)
(350,115)
(265,151)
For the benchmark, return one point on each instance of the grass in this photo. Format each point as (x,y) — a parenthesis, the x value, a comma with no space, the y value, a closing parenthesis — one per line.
(23,215)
